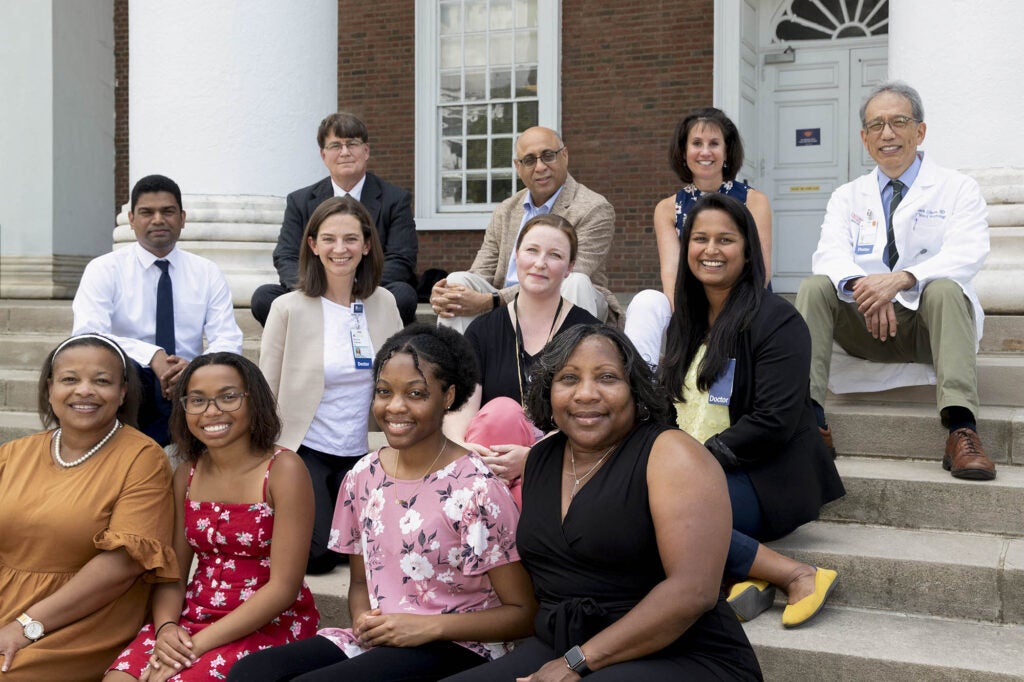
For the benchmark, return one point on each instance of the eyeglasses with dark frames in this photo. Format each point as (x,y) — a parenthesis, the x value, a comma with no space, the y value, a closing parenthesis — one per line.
(548,156)
(225,402)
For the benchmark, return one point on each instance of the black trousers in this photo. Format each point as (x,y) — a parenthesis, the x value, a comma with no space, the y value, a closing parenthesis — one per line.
(154,408)
(327,472)
(317,659)
(405,298)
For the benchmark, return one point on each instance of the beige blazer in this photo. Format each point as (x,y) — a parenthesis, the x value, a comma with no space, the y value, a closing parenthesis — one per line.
(292,355)
(591,215)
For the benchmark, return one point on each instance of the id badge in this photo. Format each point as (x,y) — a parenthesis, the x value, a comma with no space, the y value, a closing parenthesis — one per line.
(721,391)
(362,349)
(866,237)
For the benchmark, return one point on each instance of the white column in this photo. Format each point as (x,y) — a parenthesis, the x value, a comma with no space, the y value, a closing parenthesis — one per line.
(225,99)
(964,57)
(56,143)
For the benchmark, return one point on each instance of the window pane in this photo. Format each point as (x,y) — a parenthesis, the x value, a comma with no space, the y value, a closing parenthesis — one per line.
(451,121)
(501,152)
(451,155)
(501,188)
(451,190)
(476,85)
(451,17)
(476,15)
(501,48)
(501,14)
(526,82)
(501,84)
(451,86)
(476,120)
(475,50)
(451,52)
(526,46)
(526,115)
(476,154)
(526,13)
(501,118)
(476,189)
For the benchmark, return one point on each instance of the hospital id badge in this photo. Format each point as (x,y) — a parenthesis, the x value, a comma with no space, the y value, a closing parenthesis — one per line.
(866,237)
(721,391)
(362,349)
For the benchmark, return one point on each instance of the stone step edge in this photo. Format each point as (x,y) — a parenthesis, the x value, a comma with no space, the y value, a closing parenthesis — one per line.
(867,644)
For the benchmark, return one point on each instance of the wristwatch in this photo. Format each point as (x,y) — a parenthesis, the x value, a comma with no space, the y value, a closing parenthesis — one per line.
(495,301)
(576,661)
(33,629)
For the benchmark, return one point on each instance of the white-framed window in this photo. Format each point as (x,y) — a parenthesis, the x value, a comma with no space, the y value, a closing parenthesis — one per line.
(485,71)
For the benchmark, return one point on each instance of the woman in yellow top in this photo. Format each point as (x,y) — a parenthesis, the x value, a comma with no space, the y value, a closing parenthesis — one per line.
(738,365)
(87,516)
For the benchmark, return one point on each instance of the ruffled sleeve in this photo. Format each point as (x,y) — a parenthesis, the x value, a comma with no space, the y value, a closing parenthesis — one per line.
(142,520)
(488,524)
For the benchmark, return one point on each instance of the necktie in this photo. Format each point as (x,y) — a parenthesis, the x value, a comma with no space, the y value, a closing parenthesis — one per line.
(164,309)
(892,254)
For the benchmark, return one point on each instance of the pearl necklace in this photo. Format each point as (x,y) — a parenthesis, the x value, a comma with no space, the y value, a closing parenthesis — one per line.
(423,478)
(92,451)
(579,479)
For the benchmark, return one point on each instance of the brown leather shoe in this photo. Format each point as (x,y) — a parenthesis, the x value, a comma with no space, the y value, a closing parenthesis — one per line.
(826,435)
(964,457)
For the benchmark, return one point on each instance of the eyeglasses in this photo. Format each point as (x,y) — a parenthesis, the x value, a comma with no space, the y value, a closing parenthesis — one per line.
(227,402)
(351,145)
(896,123)
(548,156)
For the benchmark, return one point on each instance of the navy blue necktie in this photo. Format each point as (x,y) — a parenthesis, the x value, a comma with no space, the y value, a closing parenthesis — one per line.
(892,254)
(165,309)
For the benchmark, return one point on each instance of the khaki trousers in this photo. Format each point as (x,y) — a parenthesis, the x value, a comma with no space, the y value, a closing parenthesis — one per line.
(940,332)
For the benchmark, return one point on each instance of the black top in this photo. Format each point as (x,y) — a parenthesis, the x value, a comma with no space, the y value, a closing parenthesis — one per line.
(591,569)
(494,339)
(388,205)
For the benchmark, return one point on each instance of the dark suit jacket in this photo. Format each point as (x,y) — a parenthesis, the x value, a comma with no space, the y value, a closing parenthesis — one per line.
(773,434)
(391,210)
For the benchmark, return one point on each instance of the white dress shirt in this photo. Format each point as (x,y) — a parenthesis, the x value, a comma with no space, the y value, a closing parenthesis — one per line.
(117,297)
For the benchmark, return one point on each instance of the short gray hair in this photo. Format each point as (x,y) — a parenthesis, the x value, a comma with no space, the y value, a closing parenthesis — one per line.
(899,88)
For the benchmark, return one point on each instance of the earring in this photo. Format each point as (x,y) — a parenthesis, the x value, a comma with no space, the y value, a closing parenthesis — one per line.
(724,166)
(644,412)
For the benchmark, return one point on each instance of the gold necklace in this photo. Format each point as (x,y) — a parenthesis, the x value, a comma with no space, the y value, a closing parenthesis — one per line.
(579,479)
(423,478)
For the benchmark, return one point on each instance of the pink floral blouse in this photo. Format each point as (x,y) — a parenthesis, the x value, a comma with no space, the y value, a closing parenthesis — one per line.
(427,544)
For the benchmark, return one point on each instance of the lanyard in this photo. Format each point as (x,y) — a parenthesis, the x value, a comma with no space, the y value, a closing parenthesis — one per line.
(524,361)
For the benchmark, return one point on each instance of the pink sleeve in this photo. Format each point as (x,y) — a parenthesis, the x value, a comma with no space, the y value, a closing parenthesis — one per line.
(489,526)
(345,531)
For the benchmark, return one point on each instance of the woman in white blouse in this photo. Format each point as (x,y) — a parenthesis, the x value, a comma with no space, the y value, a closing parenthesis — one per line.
(317,353)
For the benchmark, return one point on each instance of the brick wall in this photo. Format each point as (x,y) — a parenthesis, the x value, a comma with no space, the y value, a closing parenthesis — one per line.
(121,188)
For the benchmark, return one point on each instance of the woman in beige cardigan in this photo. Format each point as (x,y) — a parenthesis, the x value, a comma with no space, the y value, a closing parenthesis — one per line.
(317,352)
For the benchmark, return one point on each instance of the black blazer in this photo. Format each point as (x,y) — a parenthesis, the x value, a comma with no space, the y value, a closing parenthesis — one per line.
(773,434)
(391,210)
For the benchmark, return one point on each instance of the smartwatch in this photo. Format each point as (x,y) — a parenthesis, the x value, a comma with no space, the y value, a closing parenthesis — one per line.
(32,629)
(576,661)
(496,301)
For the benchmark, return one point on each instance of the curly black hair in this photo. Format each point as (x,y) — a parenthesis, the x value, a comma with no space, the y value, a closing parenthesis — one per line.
(651,400)
(450,354)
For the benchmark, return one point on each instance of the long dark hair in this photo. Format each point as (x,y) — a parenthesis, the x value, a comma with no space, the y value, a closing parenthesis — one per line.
(264,424)
(709,116)
(649,398)
(688,327)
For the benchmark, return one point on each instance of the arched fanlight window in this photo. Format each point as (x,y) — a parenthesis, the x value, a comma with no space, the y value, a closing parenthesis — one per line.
(832,19)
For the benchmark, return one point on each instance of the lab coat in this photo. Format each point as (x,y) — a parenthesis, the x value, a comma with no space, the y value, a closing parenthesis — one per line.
(941,229)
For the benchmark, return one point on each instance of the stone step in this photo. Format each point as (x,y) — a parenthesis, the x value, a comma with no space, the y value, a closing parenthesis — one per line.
(926,572)
(920,494)
(854,644)
(914,431)
(17,424)
(1000,378)
(331,594)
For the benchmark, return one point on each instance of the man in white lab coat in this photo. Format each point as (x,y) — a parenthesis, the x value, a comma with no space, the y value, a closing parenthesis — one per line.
(893,272)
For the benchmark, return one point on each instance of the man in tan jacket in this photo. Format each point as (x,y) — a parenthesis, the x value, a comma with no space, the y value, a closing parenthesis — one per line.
(543,165)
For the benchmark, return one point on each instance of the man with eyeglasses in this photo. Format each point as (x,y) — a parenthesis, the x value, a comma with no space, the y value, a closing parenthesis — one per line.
(542,163)
(345,150)
(893,272)
(157,301)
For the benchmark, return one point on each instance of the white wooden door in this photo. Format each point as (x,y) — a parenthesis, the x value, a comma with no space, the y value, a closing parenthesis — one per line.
(811,143)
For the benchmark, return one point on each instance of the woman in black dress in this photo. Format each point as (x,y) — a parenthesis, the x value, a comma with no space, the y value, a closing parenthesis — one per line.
(624,531)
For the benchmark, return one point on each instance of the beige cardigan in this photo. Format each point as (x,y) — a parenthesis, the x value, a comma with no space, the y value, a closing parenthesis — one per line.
(292,354)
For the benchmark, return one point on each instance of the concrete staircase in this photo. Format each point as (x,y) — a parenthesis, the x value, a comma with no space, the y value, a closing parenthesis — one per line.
(931,568)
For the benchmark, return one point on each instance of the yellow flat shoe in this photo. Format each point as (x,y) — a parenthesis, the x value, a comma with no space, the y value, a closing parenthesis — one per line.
(825,580)
(751,598)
